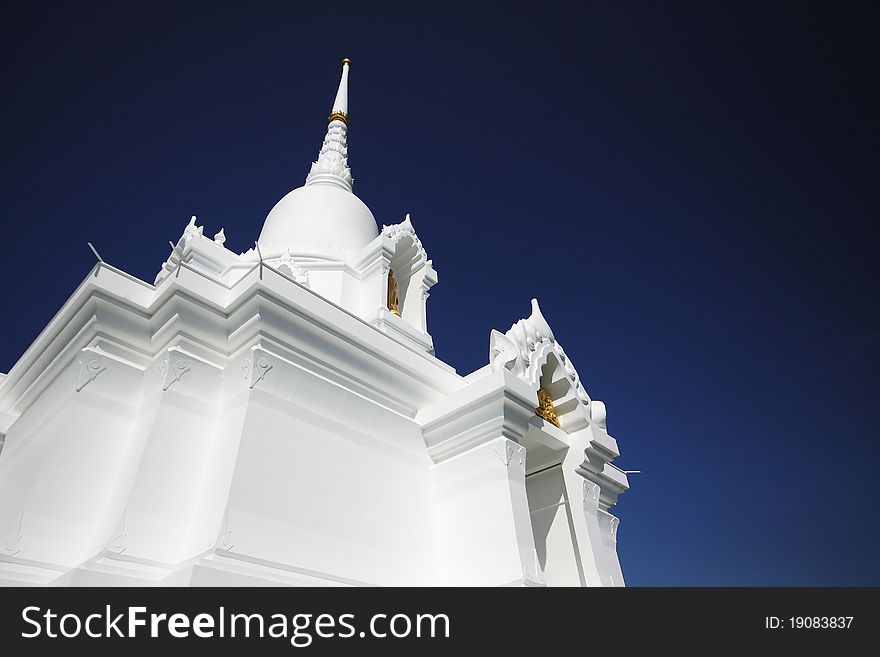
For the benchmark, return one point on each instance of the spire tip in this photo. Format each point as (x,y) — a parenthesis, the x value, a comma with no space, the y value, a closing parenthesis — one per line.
(340,105)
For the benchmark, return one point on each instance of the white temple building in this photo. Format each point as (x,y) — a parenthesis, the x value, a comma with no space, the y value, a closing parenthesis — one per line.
(278,417)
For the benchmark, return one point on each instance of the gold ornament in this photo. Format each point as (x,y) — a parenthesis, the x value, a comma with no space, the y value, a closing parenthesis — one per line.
(393,299)
(545,408)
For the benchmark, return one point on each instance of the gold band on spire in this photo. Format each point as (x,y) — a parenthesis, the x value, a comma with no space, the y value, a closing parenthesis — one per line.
(338,116)
(346,61)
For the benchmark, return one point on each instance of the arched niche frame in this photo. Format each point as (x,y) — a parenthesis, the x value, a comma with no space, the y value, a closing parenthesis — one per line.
(407,260)
(570,400)
(530,351)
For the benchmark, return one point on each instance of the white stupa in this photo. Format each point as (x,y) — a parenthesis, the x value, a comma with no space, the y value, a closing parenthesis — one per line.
(279,417)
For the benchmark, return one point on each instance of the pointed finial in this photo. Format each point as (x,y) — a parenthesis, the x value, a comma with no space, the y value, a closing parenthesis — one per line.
(191,229)
(340,105)
(538,321)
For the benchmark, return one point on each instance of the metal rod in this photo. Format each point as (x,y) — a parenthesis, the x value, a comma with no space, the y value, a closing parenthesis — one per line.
(260,254)
(95,251)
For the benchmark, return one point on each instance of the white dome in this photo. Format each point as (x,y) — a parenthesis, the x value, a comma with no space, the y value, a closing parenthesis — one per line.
(318,219)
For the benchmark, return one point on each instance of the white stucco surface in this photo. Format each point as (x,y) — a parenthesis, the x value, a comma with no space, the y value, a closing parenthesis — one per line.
(264,418)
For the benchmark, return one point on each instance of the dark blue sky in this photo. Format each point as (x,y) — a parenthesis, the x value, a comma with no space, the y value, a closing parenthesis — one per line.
(689,190)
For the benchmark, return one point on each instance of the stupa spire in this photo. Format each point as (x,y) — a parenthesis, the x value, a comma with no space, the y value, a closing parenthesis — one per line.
(331,167)
(340,105)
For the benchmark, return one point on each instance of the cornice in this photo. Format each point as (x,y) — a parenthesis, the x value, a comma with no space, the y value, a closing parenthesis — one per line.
(221,318)
(498,405)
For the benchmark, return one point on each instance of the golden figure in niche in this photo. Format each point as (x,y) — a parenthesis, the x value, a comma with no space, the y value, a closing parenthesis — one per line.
(393,299)
(545,408)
